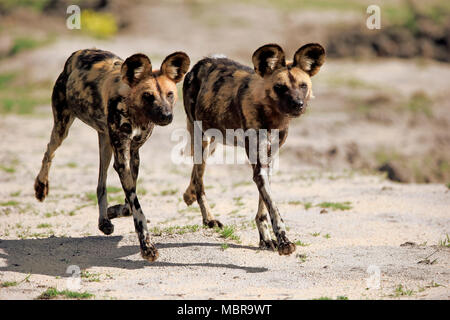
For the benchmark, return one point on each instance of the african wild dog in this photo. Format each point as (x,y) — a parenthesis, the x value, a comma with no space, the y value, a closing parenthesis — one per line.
(122,101)
(223,94)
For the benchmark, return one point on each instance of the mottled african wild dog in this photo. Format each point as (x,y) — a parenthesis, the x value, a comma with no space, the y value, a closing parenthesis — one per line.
(223,94)
(122,101)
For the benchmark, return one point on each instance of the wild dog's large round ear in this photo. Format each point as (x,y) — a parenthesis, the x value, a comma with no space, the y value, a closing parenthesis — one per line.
(175,66)
(135,68)
(267,59)
(309,58)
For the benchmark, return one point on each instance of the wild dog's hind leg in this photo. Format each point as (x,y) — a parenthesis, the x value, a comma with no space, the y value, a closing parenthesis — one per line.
(122,157)
(189,195)
(196,185)
(62,120)
(105,152)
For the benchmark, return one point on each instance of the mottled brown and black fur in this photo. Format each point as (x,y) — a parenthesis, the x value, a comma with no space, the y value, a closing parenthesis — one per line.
(122,100)
(224,94)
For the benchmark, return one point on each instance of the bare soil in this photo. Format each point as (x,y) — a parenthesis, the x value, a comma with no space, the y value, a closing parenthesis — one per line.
(360,120)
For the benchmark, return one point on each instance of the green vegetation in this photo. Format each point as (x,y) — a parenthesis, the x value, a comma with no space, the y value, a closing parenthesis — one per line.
(336,205)
(98,24)
(90,277)
(10,203)
(169,192)
(21,96)
(7,284)
(419,102)
(37,5)
(445,242)
(228,232)
(315,234)
(91,196)
(302,257)
(156,231)
(301,244)
(44,225)
(400,290)
(21,44)
(112,189)
(224,246)
(52,293)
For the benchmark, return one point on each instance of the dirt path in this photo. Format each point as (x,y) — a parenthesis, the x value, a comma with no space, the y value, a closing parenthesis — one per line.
(43,239)
(389,227)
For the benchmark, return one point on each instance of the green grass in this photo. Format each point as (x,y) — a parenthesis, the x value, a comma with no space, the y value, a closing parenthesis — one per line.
(72,165)
(169,192)
(7,284)
(445,242)
(302,257)
(37,5)
(301,244)
(52,293)
(315,234)
(327,236)
(44,225)
(90,277)
(307,205)
(112,189)
(336,205)
(228,232)
(295,203)
(19,95)
(329,298)
(7,169)
(156,231)
(91,196)
(15,194)
(21,44)
(419,102)
(400,290)
(224,246)
(10,203)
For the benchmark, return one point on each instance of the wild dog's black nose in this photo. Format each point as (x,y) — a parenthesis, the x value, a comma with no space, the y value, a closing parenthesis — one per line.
(298,103)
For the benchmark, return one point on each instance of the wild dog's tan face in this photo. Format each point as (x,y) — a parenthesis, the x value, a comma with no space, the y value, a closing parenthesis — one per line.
(288,85)
(154,92)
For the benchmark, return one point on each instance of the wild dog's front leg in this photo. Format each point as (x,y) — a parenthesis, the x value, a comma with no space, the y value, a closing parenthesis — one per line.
(122,166)
(265,240)
(259,151)
(261,178)
(124,210)
(105,151)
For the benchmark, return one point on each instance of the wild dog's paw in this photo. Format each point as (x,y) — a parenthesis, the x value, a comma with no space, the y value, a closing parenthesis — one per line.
(286,248)
(189,197)
(213,224)
(41,189)
(268,244)
(150,253)
(106,226)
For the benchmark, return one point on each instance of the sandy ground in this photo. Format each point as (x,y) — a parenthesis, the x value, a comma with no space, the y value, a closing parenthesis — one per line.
(390,227)
(384,216)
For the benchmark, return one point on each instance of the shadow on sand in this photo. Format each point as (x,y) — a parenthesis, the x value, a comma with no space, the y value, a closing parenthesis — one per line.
(51,256)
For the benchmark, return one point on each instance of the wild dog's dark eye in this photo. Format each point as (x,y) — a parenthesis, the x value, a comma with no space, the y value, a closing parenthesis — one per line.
(280,88)
(170,95)
(303,86)
(148,97)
